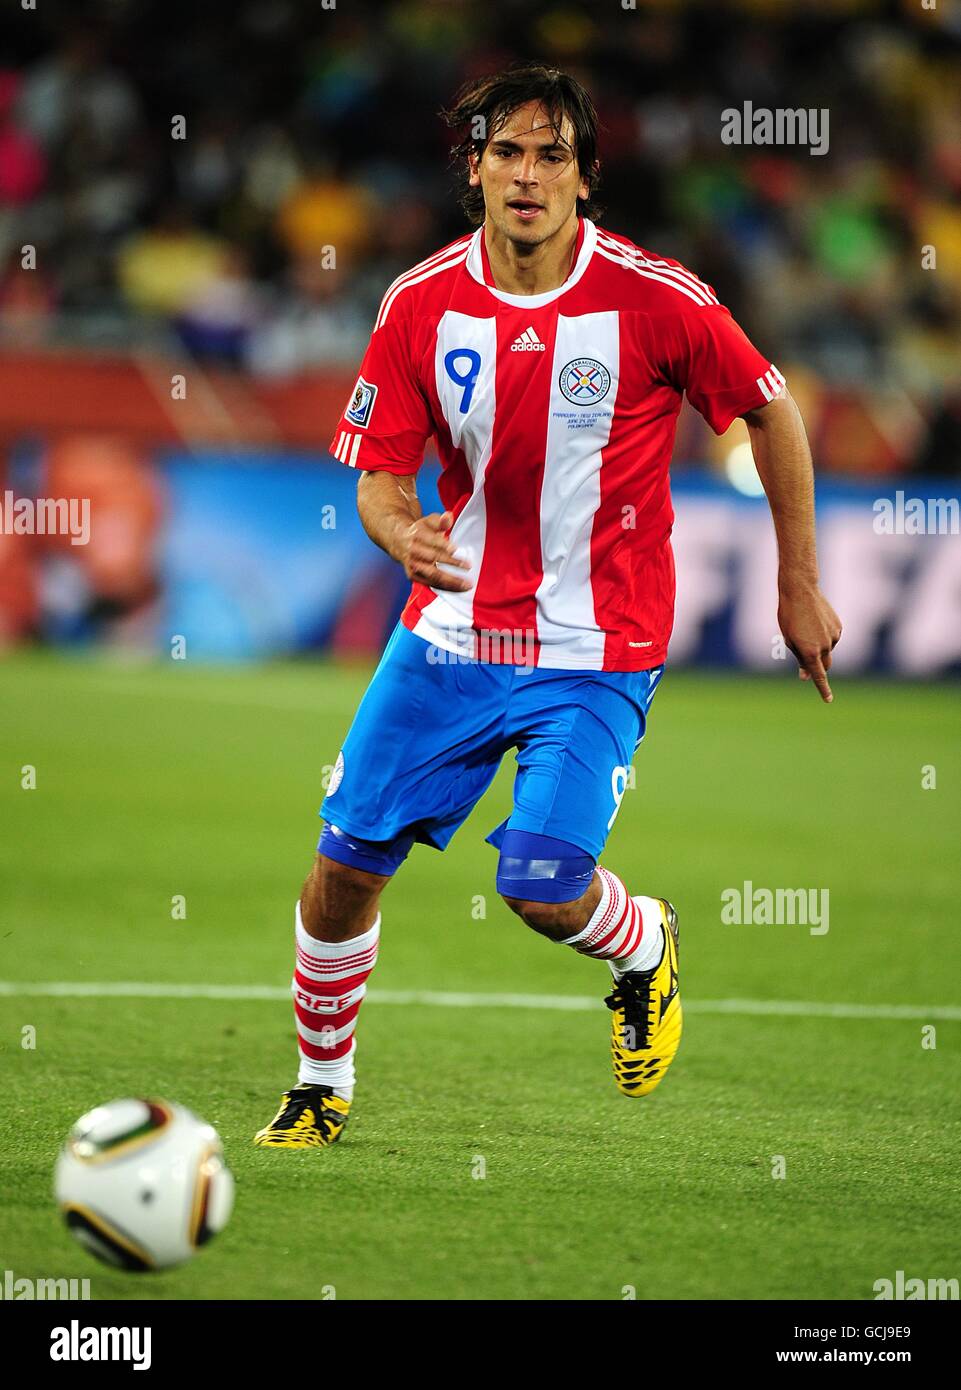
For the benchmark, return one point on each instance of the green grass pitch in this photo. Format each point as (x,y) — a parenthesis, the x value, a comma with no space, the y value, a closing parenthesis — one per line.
(156,782)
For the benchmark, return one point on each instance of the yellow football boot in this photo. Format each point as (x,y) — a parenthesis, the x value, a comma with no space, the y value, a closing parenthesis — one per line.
(310,1117)
(646,1021)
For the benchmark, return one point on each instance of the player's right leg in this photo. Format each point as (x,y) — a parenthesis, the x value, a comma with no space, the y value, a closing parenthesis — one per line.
(424,745)
(337,930)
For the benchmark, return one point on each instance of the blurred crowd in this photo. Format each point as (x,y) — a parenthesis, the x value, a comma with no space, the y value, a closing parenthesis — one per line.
(245,179)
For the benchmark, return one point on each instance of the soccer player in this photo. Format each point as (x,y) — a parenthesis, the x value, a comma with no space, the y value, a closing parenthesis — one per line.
(547,357)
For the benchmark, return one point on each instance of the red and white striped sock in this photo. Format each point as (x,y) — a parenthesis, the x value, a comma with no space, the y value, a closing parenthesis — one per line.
(624,931)
(329,984)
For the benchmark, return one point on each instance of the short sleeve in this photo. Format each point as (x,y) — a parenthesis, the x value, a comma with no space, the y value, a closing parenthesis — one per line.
(386,423)
(722,372)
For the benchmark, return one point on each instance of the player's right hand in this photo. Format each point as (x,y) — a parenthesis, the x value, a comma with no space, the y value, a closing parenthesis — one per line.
(424,547)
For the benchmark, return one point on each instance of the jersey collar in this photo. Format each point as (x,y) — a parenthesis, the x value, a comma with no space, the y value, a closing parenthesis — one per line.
(478,265)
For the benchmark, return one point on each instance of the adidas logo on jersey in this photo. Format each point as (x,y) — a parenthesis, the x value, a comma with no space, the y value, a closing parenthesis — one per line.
(527,342)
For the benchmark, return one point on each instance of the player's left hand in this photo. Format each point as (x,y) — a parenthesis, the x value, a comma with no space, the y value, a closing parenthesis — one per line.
(812,630)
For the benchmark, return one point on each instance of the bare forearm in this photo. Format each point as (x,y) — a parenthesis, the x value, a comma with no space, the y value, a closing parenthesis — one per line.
(810,625)
(391,515)
(783,461)
(387,505)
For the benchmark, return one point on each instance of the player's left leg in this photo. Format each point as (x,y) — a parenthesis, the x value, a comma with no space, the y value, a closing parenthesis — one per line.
(577,735)
(637,936)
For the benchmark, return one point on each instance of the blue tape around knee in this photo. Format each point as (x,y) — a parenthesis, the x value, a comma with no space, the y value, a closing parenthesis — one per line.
(374,856)
(540,869)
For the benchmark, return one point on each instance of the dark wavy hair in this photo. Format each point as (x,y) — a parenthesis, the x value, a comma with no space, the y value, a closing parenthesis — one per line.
(495,97)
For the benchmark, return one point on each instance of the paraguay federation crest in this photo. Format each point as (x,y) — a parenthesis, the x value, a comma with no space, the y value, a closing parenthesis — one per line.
(585,381)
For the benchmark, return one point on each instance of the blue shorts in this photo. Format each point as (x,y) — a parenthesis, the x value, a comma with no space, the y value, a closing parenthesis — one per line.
(433,726)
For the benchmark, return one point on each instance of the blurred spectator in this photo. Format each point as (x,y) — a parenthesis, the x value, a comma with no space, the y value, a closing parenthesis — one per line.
(167,267)
(27,302)
(217,318)
(323,212)
(75,94)
(314,319)
(23,168)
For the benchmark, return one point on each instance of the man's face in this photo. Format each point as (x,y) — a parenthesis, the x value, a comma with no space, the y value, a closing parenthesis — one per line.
(529,176)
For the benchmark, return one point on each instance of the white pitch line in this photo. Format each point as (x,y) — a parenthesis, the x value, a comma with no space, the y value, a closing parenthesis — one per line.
(783,1008)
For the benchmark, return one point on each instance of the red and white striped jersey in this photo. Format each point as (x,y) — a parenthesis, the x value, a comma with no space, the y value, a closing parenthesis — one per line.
(554,416)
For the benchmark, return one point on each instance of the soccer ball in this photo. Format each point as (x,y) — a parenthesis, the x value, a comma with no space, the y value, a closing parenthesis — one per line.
(143,1183)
